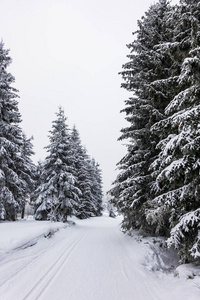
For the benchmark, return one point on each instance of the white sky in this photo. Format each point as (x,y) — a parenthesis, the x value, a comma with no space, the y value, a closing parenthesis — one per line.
(69,53)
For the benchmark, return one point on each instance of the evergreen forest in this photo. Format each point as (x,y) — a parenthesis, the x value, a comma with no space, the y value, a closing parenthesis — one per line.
(67,183)
(157,189)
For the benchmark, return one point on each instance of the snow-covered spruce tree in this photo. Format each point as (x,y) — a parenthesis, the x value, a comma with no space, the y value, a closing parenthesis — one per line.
(145,76)
(39,171)
(15,177)
(28,169)
(177,168)
(84,183)
(58,194)
(97,193)
(89,180)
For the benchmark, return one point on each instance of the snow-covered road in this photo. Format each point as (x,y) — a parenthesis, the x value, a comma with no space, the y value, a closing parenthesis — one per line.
(90,261)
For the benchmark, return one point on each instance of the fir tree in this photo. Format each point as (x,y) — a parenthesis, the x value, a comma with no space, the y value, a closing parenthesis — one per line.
(15,177)
(58,194)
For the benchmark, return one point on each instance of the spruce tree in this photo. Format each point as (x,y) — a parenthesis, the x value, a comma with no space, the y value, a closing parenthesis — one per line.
(143,74)
(97,193)
(89,180)
(28,169)
(58,194)
(15,177)
(84,183)
(177,170)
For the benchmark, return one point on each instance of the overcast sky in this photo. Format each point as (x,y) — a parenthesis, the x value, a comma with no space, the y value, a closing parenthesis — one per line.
(69,53)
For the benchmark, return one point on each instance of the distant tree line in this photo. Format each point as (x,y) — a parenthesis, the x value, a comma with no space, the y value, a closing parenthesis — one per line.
(68,182)
(158,186)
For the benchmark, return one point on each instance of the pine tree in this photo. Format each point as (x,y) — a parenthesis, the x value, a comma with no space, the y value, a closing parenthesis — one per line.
(14,170)
(145,75)
(177,167)
(58,194)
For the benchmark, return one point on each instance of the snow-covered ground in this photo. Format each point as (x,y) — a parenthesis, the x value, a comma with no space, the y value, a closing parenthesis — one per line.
(92,260)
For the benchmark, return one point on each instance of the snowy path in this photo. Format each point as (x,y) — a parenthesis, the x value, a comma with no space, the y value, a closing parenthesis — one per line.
(90,261)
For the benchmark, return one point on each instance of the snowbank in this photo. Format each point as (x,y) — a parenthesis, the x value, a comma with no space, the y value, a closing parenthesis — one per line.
(158,258)
(24,233)
(187,271)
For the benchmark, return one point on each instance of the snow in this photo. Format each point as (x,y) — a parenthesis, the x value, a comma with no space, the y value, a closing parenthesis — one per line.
(14,235)
(187,271)
(91,260)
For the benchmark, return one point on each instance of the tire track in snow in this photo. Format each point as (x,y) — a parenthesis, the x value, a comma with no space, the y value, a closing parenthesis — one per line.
(14,266)
(39,288)
(27,261)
